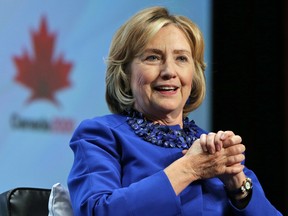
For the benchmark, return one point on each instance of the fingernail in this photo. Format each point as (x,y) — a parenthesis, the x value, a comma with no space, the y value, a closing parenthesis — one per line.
(223,136)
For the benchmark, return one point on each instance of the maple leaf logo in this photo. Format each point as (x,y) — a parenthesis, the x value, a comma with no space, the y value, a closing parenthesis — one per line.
(41,73)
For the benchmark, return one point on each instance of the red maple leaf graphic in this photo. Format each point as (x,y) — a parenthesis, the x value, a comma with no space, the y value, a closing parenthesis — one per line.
(42,74)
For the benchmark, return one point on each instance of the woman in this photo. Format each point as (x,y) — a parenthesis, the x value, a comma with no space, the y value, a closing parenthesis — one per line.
(140,160)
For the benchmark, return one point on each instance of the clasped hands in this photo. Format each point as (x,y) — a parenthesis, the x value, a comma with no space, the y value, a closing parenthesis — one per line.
(217,155)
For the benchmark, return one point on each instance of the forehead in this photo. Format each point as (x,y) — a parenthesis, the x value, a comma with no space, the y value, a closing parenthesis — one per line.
(170,37)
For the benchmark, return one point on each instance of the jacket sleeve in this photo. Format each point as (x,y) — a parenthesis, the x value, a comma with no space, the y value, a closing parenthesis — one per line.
(259,205)
(95,185)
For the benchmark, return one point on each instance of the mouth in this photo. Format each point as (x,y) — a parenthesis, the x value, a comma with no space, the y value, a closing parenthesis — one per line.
(166,88)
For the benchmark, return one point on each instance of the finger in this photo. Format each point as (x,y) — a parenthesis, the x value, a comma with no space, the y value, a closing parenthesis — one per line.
(210,142)
(203,138)
(235,159)
(218,141)
(233,140)
(235,149)
(227,134)
(184,151)
(235,169)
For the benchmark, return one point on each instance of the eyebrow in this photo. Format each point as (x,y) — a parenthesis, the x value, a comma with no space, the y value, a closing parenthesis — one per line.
(158,51)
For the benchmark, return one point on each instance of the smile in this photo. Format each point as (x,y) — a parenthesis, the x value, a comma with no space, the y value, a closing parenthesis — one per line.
(166,88)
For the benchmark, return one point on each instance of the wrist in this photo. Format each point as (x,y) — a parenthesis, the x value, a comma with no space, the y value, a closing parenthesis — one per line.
(233,182)
(242,191)
(241,196)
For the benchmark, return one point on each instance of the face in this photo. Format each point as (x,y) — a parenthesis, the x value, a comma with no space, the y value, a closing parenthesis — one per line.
(161,77)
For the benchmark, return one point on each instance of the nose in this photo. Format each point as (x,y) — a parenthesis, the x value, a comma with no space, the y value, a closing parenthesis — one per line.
(168,70)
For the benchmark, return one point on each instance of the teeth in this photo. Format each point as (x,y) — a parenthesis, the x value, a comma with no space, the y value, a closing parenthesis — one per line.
(166,88)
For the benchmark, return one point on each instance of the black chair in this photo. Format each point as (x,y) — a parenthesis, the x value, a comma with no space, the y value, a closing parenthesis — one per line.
(25,201)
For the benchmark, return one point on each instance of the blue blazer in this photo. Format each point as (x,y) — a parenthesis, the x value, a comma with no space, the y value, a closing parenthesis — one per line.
(117,173)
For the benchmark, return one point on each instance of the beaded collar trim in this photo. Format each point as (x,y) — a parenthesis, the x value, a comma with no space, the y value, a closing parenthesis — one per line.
(162,135)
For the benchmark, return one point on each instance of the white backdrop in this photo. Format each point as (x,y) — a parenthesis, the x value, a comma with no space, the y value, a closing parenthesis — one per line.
(43,99)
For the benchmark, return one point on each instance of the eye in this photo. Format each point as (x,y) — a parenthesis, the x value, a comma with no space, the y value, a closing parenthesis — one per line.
(152,58)
(182,58)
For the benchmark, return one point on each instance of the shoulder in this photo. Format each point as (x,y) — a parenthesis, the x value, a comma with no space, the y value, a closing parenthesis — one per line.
(99,125)
(111,120)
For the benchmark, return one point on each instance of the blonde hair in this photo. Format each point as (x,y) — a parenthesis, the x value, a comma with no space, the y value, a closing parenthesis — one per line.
(131,39)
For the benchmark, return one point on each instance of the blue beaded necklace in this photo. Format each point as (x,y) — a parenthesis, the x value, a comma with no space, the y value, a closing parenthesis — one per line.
(162,135)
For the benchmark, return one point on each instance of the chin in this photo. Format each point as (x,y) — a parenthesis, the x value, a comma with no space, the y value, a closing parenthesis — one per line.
(168,109)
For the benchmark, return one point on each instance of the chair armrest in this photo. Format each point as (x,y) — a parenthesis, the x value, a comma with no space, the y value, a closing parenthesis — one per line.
(24,201)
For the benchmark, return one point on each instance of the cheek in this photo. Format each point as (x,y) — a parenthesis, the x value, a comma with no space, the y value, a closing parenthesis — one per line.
(140,80)
(141,77)
(187,84)
(186,79)
(137,81)
(189,80)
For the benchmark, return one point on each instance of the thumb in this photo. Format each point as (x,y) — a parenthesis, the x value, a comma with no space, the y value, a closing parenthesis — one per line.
(184,151)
